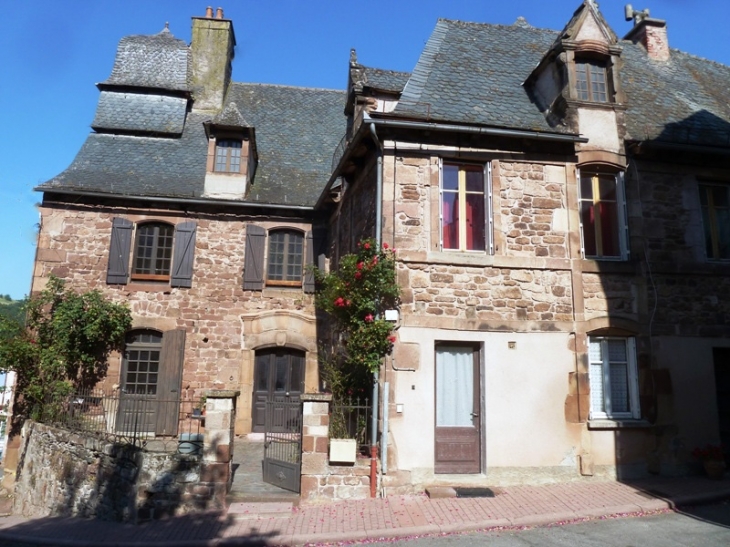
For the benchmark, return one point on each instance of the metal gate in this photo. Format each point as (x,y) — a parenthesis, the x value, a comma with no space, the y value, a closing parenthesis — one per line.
(283,443)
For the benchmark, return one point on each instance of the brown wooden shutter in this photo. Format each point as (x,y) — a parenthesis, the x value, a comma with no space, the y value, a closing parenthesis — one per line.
(183,255)
(121,241)
(309,263)
(253,267)
(169,381)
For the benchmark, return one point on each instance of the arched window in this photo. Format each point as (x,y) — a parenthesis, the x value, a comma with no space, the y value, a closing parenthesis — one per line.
(286,258)
(153,251)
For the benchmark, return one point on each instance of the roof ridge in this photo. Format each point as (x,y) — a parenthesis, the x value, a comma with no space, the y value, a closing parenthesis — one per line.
(415,85)
(386,70)
(500,25)
(290,86)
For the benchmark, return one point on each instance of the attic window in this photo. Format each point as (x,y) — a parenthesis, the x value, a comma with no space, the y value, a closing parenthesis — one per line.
(590,81)
(228,156)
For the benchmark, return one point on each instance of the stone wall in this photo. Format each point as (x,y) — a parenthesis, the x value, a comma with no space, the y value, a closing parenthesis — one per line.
(64,473)
(219,316)
(321,480)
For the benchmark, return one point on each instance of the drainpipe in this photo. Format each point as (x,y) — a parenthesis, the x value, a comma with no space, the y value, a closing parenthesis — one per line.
(376,376)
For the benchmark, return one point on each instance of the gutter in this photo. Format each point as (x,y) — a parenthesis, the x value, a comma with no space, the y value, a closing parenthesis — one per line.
(368,121)
(182,201)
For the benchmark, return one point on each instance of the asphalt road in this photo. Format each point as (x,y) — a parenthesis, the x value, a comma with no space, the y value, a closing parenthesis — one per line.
(705,526)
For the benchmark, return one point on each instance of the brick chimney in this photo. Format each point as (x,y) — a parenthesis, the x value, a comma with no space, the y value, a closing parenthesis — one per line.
(652,34)
(211,54)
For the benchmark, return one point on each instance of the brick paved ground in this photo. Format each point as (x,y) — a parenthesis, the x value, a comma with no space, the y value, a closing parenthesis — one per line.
(285,524)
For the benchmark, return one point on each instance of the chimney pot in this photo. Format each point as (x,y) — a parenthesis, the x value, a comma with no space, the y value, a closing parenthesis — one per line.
(209,12)
(219,13)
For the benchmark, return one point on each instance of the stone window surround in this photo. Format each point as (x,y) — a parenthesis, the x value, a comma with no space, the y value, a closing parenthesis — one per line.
(623,236)
(631,418)
(488,211)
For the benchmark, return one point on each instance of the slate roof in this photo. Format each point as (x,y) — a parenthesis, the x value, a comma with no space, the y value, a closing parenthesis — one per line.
(472,73)
(140,113)
(297,130)
(683,100)
(156,61)
(385,80)
(139,166)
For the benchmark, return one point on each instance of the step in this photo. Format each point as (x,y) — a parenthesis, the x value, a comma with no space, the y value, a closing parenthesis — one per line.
(260,509)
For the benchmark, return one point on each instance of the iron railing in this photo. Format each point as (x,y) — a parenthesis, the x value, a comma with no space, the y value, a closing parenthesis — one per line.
(350,419)
(143,420)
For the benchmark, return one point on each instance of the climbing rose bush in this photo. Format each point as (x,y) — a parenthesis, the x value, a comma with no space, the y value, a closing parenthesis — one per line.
(356,296)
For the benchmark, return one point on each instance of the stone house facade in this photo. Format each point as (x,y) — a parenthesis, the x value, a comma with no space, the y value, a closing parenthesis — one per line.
(558,202)
(564,288)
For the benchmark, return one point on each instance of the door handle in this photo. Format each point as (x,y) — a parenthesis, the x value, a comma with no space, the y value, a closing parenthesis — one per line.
(474,414)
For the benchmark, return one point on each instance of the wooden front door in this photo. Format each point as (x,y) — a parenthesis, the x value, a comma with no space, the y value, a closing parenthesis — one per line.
(278,375)
(458,425)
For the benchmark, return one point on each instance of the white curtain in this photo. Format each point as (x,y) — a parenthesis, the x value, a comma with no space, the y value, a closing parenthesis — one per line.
(454,386)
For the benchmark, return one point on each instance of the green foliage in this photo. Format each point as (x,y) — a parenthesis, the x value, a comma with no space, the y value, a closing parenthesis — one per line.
(12,309)
(63,346)
(356,296)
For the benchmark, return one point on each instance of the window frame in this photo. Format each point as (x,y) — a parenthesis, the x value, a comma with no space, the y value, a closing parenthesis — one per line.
(708,212)
(229,154)
(622,227)
(134,274)
(286,257)
(486,170)
(150,346)
(634,412)
(587,77)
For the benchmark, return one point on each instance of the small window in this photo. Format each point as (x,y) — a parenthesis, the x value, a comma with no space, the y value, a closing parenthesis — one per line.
(464,207)
(153,252)
(590,78)
(715,203)
(286,258)
(613,378)
(228,156)
(603,215)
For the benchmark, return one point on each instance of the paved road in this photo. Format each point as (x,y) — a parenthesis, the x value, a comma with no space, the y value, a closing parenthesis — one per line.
(705,526)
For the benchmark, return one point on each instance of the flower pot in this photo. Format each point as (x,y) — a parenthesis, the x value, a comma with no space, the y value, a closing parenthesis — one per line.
(343,450)
(715,469)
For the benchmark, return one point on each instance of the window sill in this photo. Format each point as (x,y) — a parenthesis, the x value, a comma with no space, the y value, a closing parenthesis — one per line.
(627,423)
(604,265)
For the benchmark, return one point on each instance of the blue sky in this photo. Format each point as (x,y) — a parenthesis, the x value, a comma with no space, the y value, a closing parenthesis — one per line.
(52,53)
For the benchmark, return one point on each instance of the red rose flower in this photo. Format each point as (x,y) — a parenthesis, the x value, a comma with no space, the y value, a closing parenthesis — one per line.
(369,318)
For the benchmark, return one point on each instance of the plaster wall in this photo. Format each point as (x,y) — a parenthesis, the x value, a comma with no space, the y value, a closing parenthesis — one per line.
(524,390)
(225,186)
(600,128)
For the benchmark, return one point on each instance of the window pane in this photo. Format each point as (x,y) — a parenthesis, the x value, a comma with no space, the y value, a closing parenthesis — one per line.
(617,351)
(723,232)
(294,256)
(607,187)
(454,386)
(581,83)
(474,179)
(619,388)
(475,227)
(586,188)
(451,177)
(596,380)
(587,217)
(609,229)
(276,256)
(450,221)
(282,367)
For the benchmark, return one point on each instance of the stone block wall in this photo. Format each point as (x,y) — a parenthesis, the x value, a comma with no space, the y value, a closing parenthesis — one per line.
(221,319)
(322,481)
(64,473)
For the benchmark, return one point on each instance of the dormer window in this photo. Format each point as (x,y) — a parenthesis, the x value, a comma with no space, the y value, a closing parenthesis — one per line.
(590,80)
(227,156)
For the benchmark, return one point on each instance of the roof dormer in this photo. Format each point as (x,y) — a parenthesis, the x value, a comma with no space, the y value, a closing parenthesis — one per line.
(232,154)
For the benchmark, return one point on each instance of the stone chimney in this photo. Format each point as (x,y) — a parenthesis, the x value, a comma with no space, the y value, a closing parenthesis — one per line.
(211,54)
(652,34)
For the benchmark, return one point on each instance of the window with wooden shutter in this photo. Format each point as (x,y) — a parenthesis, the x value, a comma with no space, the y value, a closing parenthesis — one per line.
(119,247)
(253,267)
(183,255)
(286,258)
(153,251)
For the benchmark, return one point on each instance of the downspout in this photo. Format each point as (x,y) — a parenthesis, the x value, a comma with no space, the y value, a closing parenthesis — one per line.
(376,375)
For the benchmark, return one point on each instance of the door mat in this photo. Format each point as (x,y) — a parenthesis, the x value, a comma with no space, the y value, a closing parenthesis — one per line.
(473,492)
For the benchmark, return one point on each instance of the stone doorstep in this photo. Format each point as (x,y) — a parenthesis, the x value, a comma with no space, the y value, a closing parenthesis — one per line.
(253,510)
